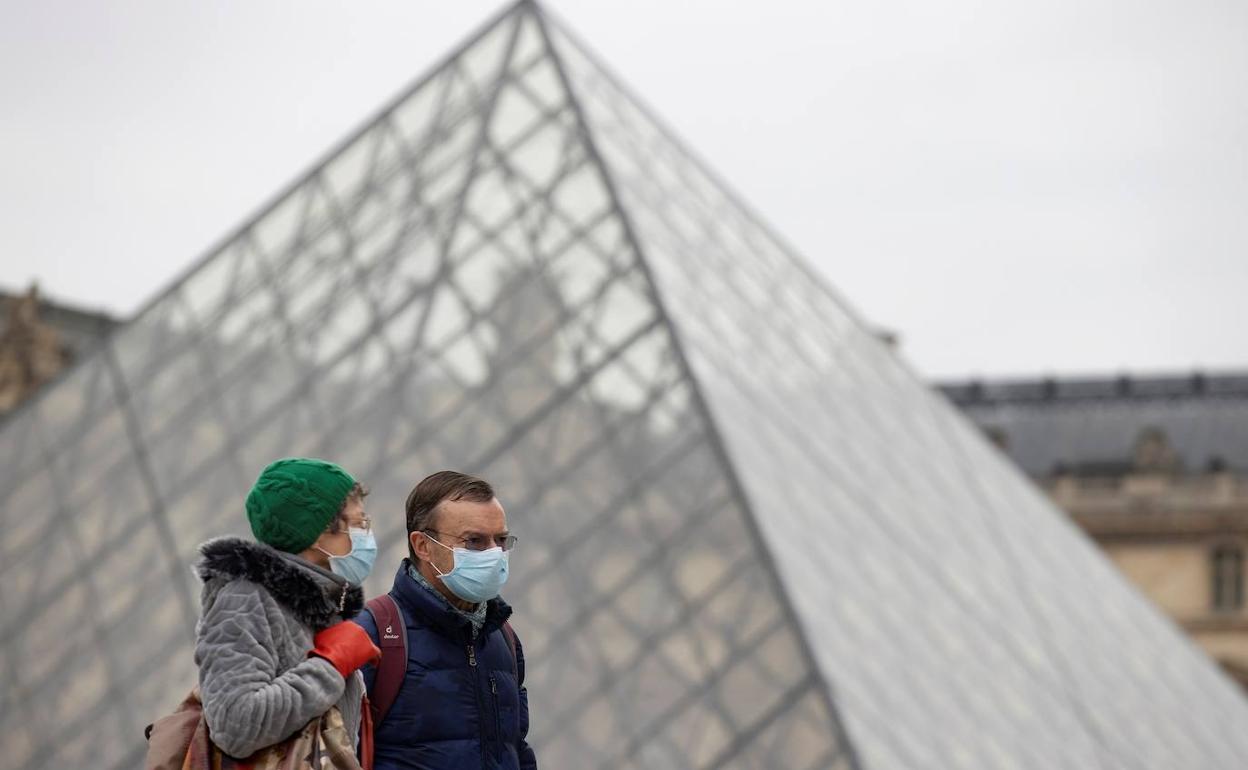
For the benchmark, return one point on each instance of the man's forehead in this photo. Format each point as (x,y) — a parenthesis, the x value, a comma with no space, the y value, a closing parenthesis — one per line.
(466,513)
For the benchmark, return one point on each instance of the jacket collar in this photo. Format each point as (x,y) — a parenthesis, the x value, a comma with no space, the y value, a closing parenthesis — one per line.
(434,610)
(314,595)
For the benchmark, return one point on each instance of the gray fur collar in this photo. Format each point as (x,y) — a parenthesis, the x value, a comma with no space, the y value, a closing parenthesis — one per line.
(313,594)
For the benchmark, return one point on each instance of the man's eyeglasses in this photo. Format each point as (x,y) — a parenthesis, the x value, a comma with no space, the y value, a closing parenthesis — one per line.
(481,542)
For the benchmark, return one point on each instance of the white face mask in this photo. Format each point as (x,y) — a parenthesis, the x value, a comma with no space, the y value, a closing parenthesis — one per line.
(358,564)
(477,576)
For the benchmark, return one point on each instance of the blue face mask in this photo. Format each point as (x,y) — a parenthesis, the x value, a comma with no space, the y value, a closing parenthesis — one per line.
(477,576)
(357,565)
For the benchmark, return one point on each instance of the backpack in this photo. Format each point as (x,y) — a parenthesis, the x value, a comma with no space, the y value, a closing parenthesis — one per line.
(180,741)
(392,639)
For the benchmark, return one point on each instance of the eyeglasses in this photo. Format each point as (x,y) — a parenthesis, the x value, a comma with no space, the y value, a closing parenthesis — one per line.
(481,542)
(341,525)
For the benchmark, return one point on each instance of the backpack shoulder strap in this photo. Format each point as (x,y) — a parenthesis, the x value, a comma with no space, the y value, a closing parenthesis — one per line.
(510,634)
(392,639)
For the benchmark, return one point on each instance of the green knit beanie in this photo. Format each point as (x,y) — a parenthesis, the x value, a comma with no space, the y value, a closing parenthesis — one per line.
(294,500)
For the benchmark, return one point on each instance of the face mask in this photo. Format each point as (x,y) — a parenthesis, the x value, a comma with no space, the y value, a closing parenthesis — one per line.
(357,565)
(477,576)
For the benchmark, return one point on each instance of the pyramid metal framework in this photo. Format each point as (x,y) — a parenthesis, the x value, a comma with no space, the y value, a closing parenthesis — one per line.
(750,536)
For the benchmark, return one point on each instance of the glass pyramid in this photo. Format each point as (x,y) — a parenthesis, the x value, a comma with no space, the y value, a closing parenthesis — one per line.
(751,537)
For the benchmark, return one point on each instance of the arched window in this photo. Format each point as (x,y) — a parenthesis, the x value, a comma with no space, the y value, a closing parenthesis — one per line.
(1228,577)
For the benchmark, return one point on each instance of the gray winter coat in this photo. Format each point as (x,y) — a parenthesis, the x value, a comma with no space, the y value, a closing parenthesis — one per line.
(260,609)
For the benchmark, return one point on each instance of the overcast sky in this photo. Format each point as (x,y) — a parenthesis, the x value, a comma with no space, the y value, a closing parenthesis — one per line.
(1017,188)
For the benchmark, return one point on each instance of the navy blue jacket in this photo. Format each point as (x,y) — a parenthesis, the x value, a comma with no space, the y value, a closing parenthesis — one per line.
(461,706)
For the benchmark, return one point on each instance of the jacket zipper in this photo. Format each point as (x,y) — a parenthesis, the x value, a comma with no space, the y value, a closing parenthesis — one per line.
(476,686)
(498,715)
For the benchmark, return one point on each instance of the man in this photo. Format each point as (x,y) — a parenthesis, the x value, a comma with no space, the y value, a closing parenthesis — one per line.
(461,702)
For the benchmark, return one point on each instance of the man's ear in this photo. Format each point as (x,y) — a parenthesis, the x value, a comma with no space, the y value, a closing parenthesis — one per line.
(419,544)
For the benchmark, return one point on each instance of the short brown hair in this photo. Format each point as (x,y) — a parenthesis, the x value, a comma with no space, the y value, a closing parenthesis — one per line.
(422,503)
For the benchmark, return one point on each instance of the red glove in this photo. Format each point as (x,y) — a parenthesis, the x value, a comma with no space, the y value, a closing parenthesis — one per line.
(345,645)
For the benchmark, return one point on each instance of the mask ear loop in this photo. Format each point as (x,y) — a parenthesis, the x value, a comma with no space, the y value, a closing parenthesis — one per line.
(342,598)
(334,555)
(441,574)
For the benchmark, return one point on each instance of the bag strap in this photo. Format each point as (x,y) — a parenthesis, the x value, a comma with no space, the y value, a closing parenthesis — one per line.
(392,639)
(367,744)
(510,634)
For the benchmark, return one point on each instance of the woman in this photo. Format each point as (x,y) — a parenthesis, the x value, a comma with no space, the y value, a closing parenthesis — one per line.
(272,646)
